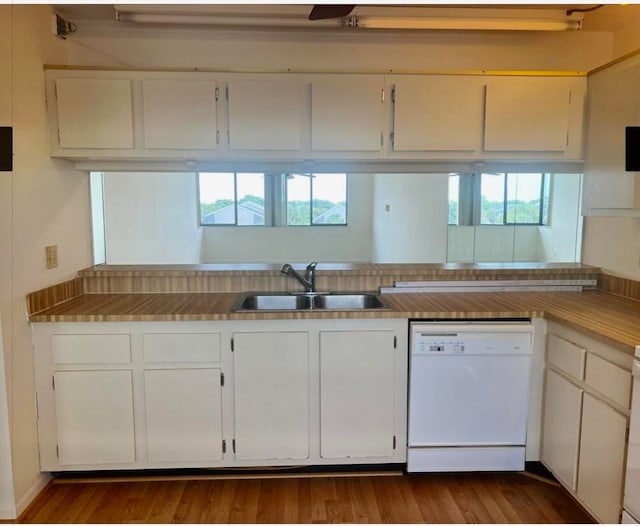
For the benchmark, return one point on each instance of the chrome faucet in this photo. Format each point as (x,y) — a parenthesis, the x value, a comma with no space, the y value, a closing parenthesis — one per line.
(309,279)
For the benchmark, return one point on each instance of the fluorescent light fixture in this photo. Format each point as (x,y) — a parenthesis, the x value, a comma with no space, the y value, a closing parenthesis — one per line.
(478,24)
(210,20)
(460,19)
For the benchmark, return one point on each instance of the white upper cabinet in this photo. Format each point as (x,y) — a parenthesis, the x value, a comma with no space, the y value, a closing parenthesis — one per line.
(614,103)
(94,112)
(265,114)
(265,117)
(347,114)
(527,114)
(437,113)
(179,114)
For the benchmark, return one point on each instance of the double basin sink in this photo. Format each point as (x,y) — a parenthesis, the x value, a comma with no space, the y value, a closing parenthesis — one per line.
(297,301)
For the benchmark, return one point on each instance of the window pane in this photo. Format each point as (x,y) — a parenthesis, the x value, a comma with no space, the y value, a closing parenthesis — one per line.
(250,198)
(217,194)
(523,198)
(492,199)
(454,199)
(298,199)
(329,199)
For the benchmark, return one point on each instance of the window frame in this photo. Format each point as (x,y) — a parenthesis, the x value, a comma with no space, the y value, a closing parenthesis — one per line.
(276,201)
(470,200)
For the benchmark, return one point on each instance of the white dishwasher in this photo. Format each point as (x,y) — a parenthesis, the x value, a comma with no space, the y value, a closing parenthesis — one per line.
(468,395)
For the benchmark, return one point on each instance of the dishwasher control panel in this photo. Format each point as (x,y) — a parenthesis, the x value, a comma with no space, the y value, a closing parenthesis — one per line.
(474,339)
(438,346)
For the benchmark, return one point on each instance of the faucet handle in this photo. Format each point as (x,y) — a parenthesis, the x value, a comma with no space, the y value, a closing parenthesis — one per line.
(312,266)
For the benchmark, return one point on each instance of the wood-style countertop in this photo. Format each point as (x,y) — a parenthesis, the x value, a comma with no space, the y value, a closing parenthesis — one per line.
(613,319)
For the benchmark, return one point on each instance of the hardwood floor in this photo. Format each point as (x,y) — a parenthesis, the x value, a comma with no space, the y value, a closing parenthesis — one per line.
(430,498)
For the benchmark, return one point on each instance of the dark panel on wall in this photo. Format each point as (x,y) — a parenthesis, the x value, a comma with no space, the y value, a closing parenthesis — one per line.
(632,149)
(6,148)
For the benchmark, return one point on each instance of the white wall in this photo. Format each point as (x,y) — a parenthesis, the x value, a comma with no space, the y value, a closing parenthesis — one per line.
(7,498)
(410,218)
(351,243)
(613,243)
(42,202)
(101,44)
(561,240)
(151,218)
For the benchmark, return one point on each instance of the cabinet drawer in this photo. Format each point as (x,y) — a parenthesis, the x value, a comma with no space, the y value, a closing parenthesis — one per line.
(91,348)
(566,356)
(612,381)
(201,347)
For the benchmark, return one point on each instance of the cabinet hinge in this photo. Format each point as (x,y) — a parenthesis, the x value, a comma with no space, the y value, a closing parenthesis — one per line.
(233,445)
(395,342)
(394,441)
(217,94)
(221,379)
(382,95)
(224,446)
(232,345)
(393,94)
(392,138)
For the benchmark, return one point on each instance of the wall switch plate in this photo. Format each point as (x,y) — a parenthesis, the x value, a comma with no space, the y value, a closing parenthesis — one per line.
(51,253)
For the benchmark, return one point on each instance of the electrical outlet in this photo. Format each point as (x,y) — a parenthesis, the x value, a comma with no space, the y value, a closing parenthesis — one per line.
(51,253)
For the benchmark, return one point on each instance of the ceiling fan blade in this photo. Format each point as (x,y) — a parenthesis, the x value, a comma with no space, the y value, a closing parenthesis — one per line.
(322,12)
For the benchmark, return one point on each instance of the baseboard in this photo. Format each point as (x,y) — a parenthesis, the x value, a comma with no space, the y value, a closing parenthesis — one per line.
(40,483)
(8,514)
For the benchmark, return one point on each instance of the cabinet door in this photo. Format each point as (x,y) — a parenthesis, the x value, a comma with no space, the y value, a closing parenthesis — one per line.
(94,417)
(179,114)
(602,452)
(264,115)
(271,395)
(347,114)
(527,114)
(356,394)
(561,427)
(94,113)
(437,113)
(184,415)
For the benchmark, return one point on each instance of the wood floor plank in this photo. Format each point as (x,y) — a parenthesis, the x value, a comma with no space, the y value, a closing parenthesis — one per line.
(414,498)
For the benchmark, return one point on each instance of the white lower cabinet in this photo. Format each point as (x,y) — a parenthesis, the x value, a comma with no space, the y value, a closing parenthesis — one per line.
(602,454)
(141,395)
(94,417)
(183,410)
(271,395)
(357,394)
(562,415)
(585,420)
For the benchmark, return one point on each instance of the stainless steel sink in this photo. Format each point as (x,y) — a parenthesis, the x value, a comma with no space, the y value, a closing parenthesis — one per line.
(273,302)
(291,301)
(348,301)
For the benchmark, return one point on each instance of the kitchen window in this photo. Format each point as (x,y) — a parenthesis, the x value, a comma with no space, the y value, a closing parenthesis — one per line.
(261,199)
(499,199)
